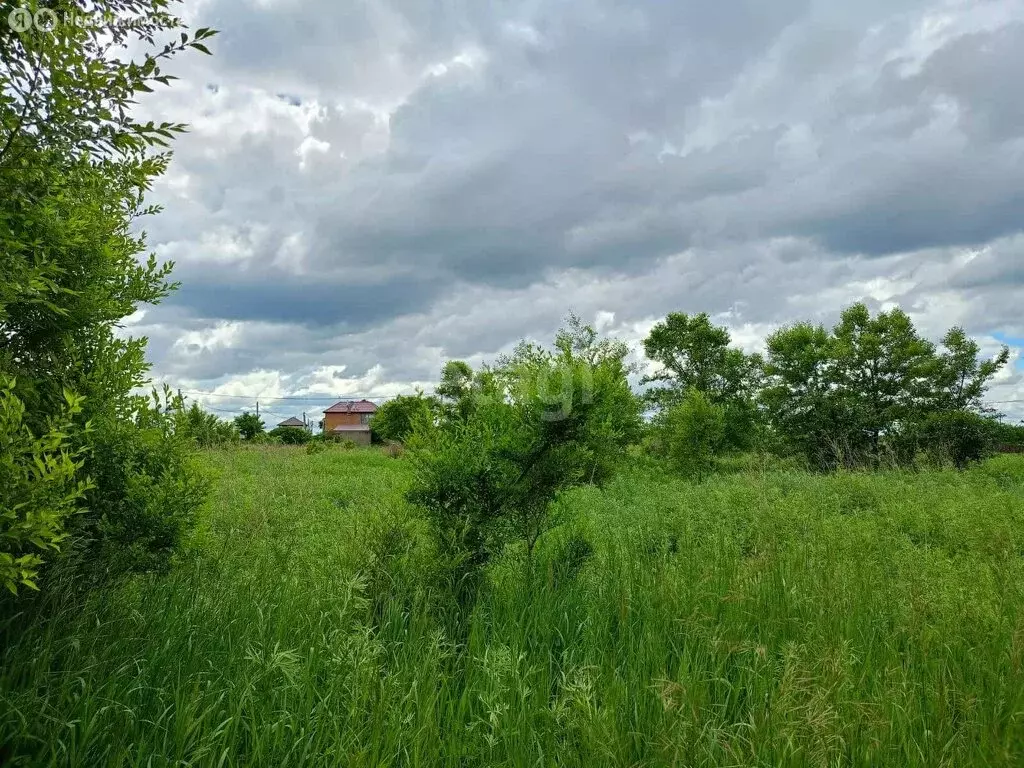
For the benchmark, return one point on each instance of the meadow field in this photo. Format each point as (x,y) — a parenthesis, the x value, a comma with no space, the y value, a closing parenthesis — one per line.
(763,617)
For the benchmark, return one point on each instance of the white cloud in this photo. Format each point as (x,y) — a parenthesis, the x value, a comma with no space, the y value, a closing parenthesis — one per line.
(369,189)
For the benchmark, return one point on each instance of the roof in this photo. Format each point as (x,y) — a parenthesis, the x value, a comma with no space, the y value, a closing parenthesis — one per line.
(351,428)
(352,406)
(291,421)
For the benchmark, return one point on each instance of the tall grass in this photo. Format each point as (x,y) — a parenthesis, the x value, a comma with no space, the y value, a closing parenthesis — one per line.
(761,618)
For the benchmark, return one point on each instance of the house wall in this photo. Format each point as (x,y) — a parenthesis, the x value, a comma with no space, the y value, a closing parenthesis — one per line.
(332,420)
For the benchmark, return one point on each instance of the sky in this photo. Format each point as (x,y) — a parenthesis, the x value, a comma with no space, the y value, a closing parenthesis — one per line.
(370,189)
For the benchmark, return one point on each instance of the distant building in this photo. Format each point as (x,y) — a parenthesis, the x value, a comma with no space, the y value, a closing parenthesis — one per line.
(292,422)
(350,420)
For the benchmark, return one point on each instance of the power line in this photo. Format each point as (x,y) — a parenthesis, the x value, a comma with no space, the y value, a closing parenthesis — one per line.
(263,397)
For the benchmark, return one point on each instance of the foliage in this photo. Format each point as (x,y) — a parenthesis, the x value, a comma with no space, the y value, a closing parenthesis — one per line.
(693,433)
(38,487)
(456,383)
(695,355)
(763,618)
(958,437)
(147,493)
(460,389)
(291,435)
(960,377)
(800,397)
(317,444)
(74,168)
(396,419)
(880,370)
(1008,435)
(249,425)
(553,419)
(841,398)
(205,429)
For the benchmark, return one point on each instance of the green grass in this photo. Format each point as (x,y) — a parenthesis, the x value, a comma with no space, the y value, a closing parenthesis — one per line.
(761,618)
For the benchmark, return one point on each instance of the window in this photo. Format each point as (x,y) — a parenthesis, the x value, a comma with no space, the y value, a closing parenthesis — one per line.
(364,418)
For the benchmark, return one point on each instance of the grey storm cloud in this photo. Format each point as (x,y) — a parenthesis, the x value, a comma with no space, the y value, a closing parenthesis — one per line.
(389,183)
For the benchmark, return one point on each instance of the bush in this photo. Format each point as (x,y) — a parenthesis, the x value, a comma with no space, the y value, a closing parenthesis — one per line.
(76,169)
(147,493)
(560,418)
(693,433)
(203,428)
(1009,436)
(958,437)
(38,488)
(291,435)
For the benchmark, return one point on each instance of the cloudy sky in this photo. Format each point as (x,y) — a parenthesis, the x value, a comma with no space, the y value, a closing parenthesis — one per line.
(371,188)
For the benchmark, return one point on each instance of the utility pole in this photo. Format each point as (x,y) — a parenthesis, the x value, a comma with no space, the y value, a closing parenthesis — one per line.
(257,409)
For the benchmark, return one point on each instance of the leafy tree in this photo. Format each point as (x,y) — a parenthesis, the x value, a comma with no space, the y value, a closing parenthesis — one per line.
(249,425)
(693,432)
(694,354)
(617,421)
(959,378)
(880,370)
(580,340)
(74,168)
(834,395)
(488,479)
(874,385)
(807,411)
(396,419)
(460,388)
(456,381)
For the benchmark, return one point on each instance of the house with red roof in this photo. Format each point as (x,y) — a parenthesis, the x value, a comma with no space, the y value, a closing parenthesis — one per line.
(349,420)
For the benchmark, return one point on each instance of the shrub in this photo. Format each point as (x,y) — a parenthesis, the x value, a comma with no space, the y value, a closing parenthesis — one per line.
(958,437)
(316,444)
(693,433)
(291,435)
(203,428)
(486,479)
(76,168)
(146,496)
(38,488)
(1009,436)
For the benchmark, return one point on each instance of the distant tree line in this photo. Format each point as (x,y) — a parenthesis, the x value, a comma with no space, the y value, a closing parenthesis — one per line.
(870,391)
